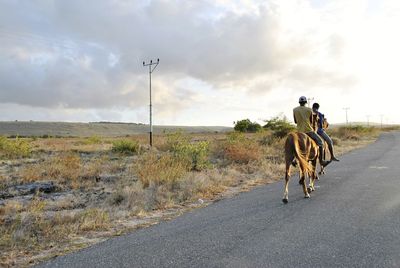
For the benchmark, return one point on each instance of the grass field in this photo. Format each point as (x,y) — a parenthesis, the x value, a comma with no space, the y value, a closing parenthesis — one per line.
(61,194)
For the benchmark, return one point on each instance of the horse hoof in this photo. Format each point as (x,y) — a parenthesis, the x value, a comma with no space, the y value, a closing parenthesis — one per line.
(309,190)
(307,196)
(285,200)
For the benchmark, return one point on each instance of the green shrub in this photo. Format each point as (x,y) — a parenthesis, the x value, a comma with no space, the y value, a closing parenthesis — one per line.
(246,125)
(280,126)
(175,140)
(93,140)
(14,148)
(195,153)
(235,137)
(126,146)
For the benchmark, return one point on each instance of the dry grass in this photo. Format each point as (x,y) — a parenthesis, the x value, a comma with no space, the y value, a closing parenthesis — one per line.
(353,132)
(160,169)
(32,229)
(68,168)
(239,149)
(99,188)
(10,208)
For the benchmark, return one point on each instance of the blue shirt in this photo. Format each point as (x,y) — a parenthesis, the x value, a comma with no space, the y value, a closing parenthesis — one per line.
(320,122)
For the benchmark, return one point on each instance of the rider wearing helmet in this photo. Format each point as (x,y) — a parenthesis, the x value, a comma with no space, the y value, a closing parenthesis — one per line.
(303,117)
(321,132)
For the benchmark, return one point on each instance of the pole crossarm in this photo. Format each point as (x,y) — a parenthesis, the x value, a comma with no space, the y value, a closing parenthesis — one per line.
(151,63)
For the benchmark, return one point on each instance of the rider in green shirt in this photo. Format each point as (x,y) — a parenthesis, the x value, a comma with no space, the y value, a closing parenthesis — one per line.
(303,117)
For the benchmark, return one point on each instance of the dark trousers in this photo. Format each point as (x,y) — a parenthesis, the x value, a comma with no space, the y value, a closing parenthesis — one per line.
(316,138)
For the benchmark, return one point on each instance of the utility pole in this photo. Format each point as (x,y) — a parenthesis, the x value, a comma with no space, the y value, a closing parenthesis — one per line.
(308,101)
(151,70)
(381,120)
(346,109)
(368,120)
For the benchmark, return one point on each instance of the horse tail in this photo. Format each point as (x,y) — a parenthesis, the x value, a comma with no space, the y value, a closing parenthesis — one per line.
(304,165)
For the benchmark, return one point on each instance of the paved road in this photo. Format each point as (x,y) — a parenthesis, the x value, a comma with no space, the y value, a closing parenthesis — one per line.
(352,220)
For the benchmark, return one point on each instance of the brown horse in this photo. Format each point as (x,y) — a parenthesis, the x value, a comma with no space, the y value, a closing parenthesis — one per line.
(301,147)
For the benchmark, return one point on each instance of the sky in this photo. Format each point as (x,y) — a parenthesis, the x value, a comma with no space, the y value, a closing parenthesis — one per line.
(220,60)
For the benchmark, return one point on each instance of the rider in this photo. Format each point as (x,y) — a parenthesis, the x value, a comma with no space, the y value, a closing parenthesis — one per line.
(303,117)
(321,132)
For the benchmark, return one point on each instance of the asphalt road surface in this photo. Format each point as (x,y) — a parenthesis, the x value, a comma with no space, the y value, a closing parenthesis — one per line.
(351,220)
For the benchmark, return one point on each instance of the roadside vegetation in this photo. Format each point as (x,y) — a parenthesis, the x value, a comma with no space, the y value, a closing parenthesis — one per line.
(60,194)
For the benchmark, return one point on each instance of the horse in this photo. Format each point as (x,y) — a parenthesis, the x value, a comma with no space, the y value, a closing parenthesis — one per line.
(301,147)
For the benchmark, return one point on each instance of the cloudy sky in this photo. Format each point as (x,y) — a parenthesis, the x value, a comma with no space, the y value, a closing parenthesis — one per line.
(220,60)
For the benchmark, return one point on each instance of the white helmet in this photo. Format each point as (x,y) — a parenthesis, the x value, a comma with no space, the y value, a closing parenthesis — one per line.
(302,99)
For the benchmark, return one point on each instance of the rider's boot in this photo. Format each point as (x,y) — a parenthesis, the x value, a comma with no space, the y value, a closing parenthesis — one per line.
(321,156)
(333,158)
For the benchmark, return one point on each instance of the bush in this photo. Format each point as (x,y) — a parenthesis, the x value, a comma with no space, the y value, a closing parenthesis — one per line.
(240,150)
(14,148)
(246,125)
(126,146)
(280,126)
(194,153)
(93,140)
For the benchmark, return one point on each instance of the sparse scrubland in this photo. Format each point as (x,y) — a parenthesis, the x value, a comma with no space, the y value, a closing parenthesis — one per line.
(61,194)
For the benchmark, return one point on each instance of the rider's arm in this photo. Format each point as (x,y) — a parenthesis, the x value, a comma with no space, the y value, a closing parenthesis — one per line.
(294,117)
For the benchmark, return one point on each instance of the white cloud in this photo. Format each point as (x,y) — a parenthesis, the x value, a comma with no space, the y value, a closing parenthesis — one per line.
(86,56)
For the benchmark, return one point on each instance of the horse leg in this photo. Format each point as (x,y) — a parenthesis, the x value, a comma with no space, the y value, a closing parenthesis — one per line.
(313,176)
(303,184)
(301,177)
(322,168)
(321,172)
(285,198)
